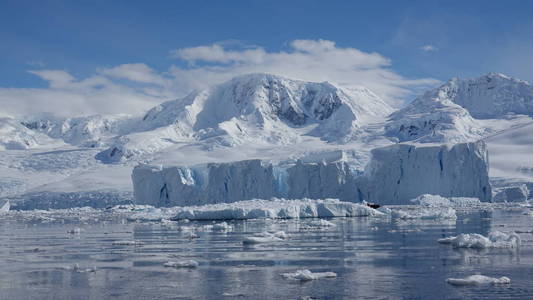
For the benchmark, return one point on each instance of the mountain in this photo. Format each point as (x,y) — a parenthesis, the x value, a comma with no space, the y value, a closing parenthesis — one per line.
(87,131)
(15,136)
(255,108)
(462,110)
(88,160)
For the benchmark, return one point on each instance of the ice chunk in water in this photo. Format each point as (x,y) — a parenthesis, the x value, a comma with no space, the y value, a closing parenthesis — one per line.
(306,275)
(182,264)
(496,239)
(478,279)
(266,237)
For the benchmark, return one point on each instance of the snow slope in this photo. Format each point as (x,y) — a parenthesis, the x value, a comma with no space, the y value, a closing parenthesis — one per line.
(15,136)
(256,108)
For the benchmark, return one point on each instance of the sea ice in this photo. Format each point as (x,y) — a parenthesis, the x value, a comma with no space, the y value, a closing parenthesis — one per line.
(266,237)
(127,243)
(478,279)
(260,209)
(425,213)
(182,264)
(439,201)
(496,239)
(306,275)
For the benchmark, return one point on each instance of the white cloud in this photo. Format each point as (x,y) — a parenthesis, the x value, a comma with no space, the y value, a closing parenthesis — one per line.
(312,60)
(134,88)
(217,54)
(135,72)
(55,78)
(67,96)
(428,48)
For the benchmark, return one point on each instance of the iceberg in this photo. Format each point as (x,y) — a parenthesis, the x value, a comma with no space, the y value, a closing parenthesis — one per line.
(496,239)
(401,172)
(394,175)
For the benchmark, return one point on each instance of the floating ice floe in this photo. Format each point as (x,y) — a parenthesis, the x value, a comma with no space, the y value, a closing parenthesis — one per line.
(127,243)
(223,226)
(182,264)
(322,223)
(305,275)
(259,209)
(78,269)
(478,279)
(496,239)
(425,213)
(265,237)
(439,201)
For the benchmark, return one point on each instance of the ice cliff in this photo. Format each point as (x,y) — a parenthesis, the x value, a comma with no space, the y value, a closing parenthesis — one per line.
(394,175)
(402,172)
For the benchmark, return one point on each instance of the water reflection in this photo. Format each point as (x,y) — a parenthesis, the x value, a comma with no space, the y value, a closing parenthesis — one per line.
(374,258)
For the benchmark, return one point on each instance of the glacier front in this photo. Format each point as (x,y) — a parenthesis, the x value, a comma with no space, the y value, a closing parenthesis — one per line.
(395,175)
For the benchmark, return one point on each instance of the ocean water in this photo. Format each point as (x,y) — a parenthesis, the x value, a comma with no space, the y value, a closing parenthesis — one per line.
(43,255)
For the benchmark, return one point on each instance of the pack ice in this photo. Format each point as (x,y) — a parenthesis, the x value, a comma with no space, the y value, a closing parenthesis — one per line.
(394,175)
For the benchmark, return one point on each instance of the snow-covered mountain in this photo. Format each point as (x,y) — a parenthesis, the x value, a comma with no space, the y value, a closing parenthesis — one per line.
(15,136)
(257,116)
(256,108)
(462,109)
(88,131)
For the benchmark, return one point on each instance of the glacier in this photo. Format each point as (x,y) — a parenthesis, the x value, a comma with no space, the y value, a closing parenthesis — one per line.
(395,175)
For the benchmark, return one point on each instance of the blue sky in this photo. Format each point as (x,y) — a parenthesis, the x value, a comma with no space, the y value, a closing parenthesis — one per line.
(418,43)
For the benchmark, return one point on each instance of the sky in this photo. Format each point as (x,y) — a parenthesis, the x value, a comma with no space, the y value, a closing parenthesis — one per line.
(87,57)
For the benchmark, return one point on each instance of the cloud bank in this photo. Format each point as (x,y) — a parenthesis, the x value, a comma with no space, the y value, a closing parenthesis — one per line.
(134,88)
